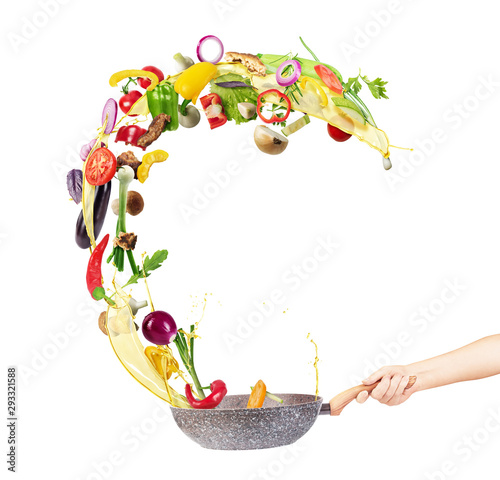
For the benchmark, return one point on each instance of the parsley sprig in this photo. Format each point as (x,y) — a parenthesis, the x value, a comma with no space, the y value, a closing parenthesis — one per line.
(377,86)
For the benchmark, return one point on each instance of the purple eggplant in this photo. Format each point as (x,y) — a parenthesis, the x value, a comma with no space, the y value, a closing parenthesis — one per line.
(101,201)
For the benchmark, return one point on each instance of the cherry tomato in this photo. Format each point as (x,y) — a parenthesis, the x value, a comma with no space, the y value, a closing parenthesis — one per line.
(146,82)
(337,134)
(329,78)
(128,100)
(101,167)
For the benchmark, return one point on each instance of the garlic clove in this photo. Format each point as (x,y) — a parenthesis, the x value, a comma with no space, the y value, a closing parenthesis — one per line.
(247,109)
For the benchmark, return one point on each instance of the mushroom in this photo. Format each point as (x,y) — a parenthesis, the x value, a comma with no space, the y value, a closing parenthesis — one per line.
(386,162)
(115,206)
(135,204)
(182,62)
(102,322)
(192,117)
(135,305)
(269,141)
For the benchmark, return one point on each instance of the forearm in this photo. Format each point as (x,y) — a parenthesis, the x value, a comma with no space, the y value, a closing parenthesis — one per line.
(477,360)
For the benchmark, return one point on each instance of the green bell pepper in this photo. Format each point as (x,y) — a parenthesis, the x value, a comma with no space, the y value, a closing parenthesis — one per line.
(164,99)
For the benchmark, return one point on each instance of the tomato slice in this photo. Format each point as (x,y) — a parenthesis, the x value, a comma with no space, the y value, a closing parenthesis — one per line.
(101,167)
(329,78)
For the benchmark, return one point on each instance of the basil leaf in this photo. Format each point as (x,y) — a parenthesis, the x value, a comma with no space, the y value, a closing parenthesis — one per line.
(74,181)
(233,84)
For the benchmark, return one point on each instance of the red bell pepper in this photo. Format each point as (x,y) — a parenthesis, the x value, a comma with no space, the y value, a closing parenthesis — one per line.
(130,134)
(214,110)
(218,389)
(274,118)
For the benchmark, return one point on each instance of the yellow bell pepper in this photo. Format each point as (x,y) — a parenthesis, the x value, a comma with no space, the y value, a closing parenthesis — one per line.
(193,80)
(317,86)
(156,156)
(123,74)
(156,356)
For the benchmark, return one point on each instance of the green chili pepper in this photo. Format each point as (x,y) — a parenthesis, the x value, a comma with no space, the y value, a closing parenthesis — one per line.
(164,99)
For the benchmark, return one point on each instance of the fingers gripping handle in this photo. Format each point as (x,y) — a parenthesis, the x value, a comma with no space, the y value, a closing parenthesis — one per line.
(338,403)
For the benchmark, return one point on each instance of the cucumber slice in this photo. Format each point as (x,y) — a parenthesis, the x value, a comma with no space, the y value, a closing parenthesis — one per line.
(297,125)
(349,107)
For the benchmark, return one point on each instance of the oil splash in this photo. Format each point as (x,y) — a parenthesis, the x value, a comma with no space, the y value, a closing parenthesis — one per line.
(190,337)
(131,352)
(316,360)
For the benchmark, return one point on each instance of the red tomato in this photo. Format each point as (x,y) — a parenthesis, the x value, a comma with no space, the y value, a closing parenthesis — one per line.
(101,167)
(146,82)
(128,100)
(337,134)
(329,78)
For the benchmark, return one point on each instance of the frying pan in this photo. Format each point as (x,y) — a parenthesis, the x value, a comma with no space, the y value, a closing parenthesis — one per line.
(232,426)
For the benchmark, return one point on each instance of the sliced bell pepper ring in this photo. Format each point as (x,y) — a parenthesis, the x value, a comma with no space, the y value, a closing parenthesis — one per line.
(130,134)
(321,93)
(160,360)
(123,74)
(214,110)
(157,156)
(274,118)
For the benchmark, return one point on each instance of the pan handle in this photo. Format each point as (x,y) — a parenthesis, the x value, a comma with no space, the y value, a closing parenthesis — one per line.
(338,403)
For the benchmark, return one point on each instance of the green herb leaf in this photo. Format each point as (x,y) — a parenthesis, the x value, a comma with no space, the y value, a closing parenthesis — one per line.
(230,97)
(353,84)
(376,87)
(150,264)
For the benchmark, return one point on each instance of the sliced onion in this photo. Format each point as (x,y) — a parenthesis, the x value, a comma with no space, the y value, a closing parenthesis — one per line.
(111,110)
(287,81)
(201,58)
(85,150)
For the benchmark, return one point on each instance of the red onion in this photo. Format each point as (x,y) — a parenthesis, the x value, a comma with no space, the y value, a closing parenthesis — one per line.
(201,58)
(111,110)
(159,327)
(287,81)
(85,150)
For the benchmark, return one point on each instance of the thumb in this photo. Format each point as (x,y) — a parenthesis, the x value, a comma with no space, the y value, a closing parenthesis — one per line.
(376,376)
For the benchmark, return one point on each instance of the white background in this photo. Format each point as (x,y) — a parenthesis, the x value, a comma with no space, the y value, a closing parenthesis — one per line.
(401,237)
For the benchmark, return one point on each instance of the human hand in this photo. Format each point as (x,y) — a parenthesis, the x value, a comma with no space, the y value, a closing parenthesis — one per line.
(392,387)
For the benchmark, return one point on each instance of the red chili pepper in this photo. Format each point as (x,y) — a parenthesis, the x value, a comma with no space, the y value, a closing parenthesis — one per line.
(214,110)
(94,276)
(218,389)
(274,118)
(130,134)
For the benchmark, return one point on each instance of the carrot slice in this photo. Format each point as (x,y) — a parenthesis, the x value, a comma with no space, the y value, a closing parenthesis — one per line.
(258,395)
